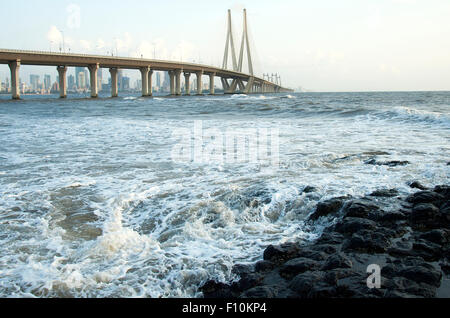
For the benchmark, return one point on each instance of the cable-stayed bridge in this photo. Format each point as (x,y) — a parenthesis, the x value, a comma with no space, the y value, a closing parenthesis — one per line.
(234,80)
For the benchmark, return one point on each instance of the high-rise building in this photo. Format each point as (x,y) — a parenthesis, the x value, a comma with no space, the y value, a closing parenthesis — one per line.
(81,80)
(78,71)
(125,83)
(166,83)
(71,83)
(158,80)
(47,82)
(34,82)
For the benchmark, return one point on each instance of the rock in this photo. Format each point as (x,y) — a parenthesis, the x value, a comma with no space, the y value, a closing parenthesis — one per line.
(359,209)
(298,265)
(443,190)
(261,292)
(445,211)
(337,261)
(392,163)
(281,252)
(322,290)
(391,216)
(328,207)
(264,266)
(331,238)
(240,269)
(422,274)
(247,281)
(427,250)
(417,185)
(213,289)
(367,241)
(437,236)
(425,197)
(325,248)
(425,215)
(316,255)
(353,225)
(303,283)
(309,189)
(384,193)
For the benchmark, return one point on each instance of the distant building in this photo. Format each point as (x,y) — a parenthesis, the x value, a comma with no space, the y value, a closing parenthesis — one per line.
(84,84)
(166,83)
(81,80)
(71,83)
(119,79)
(125,83)
(158,80)
(34,82)
(47,82)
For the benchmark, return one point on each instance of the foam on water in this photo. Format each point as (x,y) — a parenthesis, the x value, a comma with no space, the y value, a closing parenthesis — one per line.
(91,203)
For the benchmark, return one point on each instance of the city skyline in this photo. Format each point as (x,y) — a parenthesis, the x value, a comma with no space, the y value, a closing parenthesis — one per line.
(323,46)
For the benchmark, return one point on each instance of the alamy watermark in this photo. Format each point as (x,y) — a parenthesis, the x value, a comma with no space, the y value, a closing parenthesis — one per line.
(374,279)
(249,145)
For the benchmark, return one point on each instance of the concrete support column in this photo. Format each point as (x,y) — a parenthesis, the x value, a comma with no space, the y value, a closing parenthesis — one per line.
(15,89)
(187,83)
(172,82)
(144,75)
(178,82)
(150,83)
(62,71)
(114,84)
(93,68)
(212,90)
(199,83)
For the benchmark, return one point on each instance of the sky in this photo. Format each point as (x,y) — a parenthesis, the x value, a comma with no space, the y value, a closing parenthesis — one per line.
(320,45)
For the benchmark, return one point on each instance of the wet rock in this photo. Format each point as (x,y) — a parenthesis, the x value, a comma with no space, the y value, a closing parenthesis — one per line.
(366,241)
(337,261)
(427,250)
(331,238)
(213,289)
(391,216)
(417,185)
(425,215)
(282,252)
(261,292)
(425,197)
(316,255)
(264,266)
(437,236)
(445,211)
(353,225)
(392,163)
(359,209)
(328,207)
(385,193)
(303,283)
(325,248)
(443,190)
(322,290)
(309,189)
(247,281)
(298,265)
(422,274)
(240,269)
(407,288)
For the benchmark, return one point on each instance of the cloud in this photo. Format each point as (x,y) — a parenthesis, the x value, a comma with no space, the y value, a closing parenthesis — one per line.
(54,35)
(85,45)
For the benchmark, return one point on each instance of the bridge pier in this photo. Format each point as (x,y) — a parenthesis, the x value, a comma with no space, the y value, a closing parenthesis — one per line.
(114,87)
(199,83)
(144,79)
(187,84)
(93,68)
(15,89)
(178,82)
(150,83)
(212,90)
(62,71)
(172,82)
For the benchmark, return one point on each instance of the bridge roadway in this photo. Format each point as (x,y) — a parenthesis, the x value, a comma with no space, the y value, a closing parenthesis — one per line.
(232,81)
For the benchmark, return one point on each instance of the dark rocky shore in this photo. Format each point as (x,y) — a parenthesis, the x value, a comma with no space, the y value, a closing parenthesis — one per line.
(408,238)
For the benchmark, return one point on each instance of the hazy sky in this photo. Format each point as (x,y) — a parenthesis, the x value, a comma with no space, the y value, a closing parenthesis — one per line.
(322,45)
